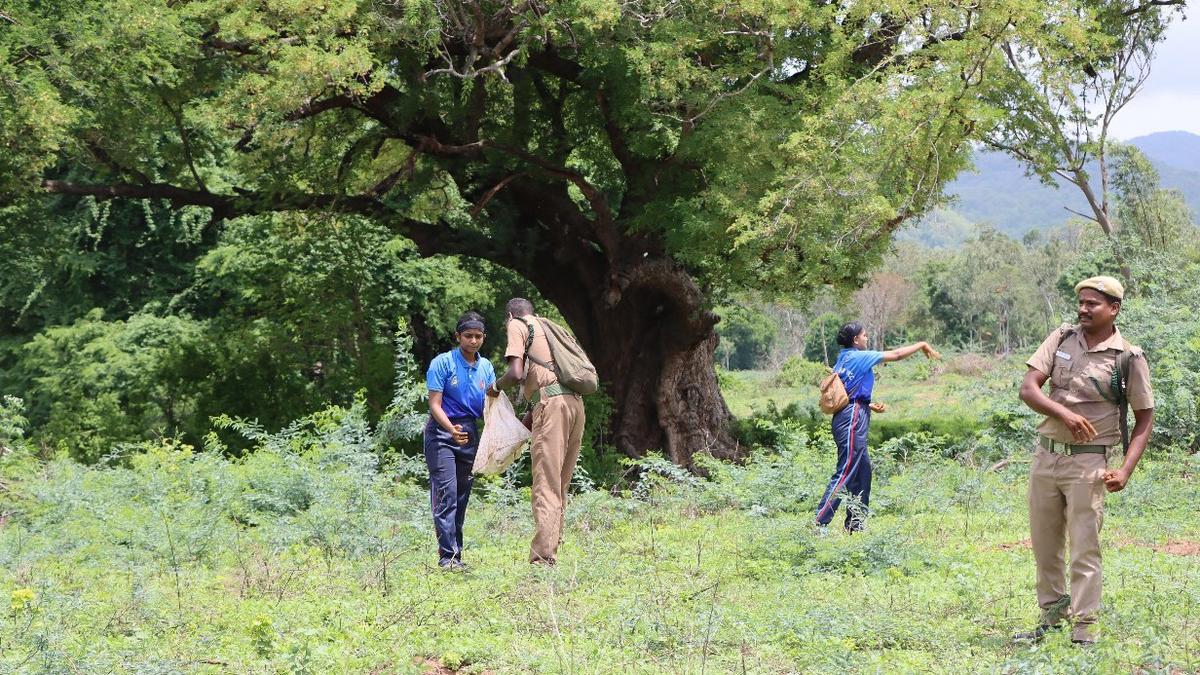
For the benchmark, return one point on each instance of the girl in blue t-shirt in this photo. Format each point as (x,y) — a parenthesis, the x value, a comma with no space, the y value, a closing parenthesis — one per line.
(855,366)
(457,381)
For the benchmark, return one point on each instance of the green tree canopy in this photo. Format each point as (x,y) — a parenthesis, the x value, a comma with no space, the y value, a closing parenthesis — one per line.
(633,160)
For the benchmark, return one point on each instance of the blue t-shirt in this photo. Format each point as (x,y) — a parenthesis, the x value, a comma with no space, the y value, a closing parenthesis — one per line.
(854,366)
(463,385)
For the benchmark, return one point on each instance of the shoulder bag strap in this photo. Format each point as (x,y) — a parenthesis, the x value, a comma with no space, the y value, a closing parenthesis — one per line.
(1121,373)
(529,343)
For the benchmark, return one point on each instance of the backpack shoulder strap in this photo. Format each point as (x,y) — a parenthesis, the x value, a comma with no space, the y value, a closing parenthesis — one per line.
(1121,379)
(529,344)
(1065,331)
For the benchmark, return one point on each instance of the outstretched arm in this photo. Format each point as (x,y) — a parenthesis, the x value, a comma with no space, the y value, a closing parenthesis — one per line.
(514,375)
(902,353)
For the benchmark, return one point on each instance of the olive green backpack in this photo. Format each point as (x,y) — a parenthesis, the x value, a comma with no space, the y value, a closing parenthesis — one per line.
(568,360)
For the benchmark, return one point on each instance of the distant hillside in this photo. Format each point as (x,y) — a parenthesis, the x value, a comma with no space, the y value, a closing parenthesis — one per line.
(1000,194)
(1178,149)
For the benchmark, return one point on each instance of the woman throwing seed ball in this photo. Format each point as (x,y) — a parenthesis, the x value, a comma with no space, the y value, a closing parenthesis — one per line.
(457,381)
(855,364)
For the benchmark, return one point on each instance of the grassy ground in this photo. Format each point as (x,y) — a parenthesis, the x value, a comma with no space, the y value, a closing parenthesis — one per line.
(313,562)
(306,557)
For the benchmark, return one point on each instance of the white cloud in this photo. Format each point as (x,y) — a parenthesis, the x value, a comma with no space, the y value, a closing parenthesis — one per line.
(1170,100)
(1158,111)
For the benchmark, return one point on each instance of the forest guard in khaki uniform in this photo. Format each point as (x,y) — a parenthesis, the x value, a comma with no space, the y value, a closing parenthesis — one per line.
(1086,365)
(557,426)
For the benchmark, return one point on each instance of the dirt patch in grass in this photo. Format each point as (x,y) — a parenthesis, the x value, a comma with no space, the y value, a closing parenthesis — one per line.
(1024,543)
(1179,547)
(432,666)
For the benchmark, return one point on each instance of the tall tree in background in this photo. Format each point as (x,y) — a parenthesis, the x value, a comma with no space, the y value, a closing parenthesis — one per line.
(1056,113)
(633,160)
(1153,216)
(881,302)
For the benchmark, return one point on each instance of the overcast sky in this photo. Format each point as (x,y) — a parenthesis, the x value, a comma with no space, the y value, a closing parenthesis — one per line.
(1170,100)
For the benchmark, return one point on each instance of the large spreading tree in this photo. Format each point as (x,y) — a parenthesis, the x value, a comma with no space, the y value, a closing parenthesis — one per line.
(635,160)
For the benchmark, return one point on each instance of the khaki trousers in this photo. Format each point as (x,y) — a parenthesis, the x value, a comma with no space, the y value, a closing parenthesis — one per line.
(1066,501)
(557,435)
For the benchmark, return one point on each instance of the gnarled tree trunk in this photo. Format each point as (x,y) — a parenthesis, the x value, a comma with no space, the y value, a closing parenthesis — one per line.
(642,319)
(654,351)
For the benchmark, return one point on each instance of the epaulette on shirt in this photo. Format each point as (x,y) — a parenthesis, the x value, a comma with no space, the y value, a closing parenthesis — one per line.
(1065,331)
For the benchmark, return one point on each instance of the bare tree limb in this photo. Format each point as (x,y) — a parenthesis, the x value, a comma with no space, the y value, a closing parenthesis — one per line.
(1152,3)
(487,196)
(1082,215)
(604,214)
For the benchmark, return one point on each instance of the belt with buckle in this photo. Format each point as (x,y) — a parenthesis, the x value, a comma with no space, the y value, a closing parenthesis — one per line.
(555,389)
(1060,448)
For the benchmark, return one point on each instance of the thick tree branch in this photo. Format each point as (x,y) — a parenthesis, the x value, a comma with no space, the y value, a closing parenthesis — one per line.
(431,239)
(550,61)
(315,107)
(492,192)
(616,138)
(604,214)
(1151,4)
(245,203)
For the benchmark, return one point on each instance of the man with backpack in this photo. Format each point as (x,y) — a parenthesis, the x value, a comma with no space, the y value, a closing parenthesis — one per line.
(1095,376)
(554,374)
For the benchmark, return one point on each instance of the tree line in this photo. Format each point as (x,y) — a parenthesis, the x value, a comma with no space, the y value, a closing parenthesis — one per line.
(993,293)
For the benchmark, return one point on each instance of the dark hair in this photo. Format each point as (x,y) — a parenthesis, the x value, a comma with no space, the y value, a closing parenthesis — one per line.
(470,320)
(847,333)
(519,307)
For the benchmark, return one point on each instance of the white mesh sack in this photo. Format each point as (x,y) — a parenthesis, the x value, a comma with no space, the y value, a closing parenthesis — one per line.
(503,438)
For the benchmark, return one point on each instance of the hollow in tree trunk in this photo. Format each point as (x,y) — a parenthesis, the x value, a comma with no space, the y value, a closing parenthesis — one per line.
(653,344)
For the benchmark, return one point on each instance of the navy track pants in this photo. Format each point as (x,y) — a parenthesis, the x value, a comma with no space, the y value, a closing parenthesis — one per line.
(853,474)
(450,481)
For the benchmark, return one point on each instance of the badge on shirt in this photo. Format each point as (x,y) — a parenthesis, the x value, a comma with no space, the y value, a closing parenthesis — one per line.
(454,381)
(1062,355)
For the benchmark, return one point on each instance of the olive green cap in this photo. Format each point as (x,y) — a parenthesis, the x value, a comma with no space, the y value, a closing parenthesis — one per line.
(1106,285)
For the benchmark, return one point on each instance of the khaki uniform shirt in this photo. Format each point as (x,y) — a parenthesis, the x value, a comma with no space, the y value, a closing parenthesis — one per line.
(536,376)
(1072,367)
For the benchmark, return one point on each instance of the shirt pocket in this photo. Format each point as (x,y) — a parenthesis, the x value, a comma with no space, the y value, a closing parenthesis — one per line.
(1094,383)
(1063,372)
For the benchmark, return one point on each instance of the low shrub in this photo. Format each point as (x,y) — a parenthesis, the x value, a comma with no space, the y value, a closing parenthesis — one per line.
(800,372)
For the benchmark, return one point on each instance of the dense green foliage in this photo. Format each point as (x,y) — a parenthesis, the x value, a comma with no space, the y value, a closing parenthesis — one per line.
(268,172)
(277,317)
(310,555)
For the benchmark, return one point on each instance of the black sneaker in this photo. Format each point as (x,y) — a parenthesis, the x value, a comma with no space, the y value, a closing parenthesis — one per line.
(1083,643)
(1034,635)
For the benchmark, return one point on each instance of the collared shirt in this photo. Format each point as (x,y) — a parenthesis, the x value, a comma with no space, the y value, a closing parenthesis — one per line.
(1081,380)
(856,369)
(463,385)
(536,376)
